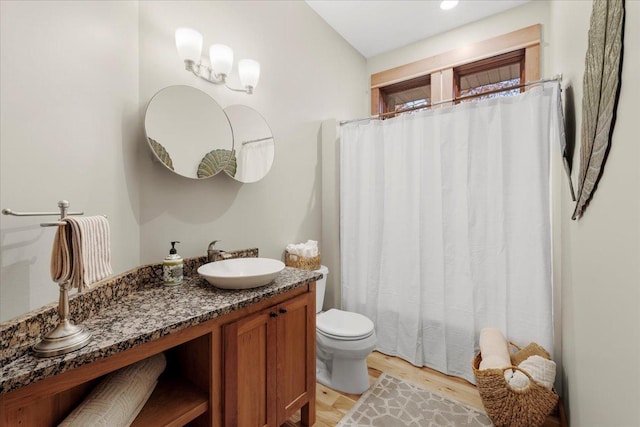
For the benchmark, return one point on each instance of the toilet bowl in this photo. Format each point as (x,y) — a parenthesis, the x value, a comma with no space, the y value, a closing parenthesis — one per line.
(343,342)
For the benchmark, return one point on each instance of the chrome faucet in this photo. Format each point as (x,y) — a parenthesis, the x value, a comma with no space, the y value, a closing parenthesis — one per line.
(214,254)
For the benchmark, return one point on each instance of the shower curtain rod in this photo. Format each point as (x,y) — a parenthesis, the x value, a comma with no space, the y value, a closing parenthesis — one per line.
(461,98)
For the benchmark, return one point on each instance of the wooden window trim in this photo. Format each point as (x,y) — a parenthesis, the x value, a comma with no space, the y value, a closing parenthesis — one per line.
(440,67)
(489,63)
(407,84)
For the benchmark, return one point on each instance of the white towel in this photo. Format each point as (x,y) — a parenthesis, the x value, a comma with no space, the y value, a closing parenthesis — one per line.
(118,399)
(82,251)
(306,250)
(543,371)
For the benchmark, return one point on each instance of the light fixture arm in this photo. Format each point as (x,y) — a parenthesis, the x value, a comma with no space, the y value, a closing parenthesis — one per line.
(196,69)
(216,79)
(247,90)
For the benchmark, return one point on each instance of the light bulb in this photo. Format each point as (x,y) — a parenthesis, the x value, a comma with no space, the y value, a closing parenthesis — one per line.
(448,4)
(249,71)
(189,44)
(221,58)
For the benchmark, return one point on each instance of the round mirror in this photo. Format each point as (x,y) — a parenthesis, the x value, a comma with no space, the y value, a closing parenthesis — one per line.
(253,142)
(189,132)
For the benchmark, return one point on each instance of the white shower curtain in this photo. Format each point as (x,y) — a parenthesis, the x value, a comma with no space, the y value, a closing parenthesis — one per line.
(445,227)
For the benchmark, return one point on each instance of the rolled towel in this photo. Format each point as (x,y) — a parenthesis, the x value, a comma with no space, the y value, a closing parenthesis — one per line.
(294,248)
(136,411)
(118,399)
(494,349)
(82,251)
(543,371)
(307,250)
(516,379)
(311,248)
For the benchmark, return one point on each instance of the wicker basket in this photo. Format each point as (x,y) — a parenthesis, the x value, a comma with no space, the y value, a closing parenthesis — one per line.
(522,354)
(507,407)
(304,263)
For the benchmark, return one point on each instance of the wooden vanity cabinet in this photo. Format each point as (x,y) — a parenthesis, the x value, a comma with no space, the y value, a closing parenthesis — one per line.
(269,365)
(252,367)
(182,395)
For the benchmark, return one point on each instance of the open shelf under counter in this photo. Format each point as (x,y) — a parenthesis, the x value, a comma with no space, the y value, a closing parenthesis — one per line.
(174,402)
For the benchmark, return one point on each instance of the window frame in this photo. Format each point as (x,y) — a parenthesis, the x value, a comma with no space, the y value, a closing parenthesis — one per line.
(514,57)
(440,68)
(401,87)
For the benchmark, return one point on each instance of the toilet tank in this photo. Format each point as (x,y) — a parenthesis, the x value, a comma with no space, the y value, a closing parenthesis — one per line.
(321,285)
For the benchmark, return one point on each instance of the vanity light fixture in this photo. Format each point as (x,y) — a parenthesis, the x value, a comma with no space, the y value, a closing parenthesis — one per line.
(189,44)
(448,4)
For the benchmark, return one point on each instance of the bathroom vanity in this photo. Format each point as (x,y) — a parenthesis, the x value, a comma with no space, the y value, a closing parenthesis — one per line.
(234,357)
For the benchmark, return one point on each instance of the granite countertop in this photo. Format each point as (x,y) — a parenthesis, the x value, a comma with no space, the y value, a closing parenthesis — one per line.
(146,314)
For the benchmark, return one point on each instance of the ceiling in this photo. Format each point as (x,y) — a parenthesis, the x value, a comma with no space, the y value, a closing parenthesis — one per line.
(377,26)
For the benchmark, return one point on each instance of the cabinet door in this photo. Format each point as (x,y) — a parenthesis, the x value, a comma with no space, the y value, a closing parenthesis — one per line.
(249,369)
(296,358)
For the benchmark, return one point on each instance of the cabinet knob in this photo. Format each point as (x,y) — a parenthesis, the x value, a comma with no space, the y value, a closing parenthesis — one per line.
(283,310)
(273,314)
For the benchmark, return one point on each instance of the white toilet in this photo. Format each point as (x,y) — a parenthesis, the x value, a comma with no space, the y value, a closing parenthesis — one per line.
(343,342)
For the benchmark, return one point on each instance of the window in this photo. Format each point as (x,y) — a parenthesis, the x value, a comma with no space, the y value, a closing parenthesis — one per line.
(407,94)
(489,75)
(502,61)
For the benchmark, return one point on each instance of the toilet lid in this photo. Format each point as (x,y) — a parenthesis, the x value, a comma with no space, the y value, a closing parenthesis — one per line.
(344,324)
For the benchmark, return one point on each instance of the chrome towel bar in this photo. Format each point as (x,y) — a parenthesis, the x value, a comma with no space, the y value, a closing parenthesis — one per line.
(62,204)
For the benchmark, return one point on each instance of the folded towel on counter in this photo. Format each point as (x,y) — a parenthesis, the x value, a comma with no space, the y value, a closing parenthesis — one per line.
(543,371)
(307,250)
(82,251)
(119,398)
(494,349)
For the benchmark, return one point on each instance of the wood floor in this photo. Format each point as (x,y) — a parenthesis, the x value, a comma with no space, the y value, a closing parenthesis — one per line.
(332,405)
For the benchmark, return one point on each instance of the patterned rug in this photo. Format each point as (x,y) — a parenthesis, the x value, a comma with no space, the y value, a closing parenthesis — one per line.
(392,402)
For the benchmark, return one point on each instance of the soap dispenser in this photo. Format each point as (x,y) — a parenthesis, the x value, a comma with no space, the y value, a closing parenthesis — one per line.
(172,267)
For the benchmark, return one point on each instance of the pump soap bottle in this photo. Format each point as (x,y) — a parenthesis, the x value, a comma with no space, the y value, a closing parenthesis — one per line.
(172,267)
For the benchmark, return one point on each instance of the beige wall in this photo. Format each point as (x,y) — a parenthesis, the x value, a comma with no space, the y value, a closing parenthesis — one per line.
(601,251)
(69,130)
(331,212)
(309,73)
(76,79)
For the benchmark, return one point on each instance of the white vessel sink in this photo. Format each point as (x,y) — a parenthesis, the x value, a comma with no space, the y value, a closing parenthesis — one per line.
(241,273)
